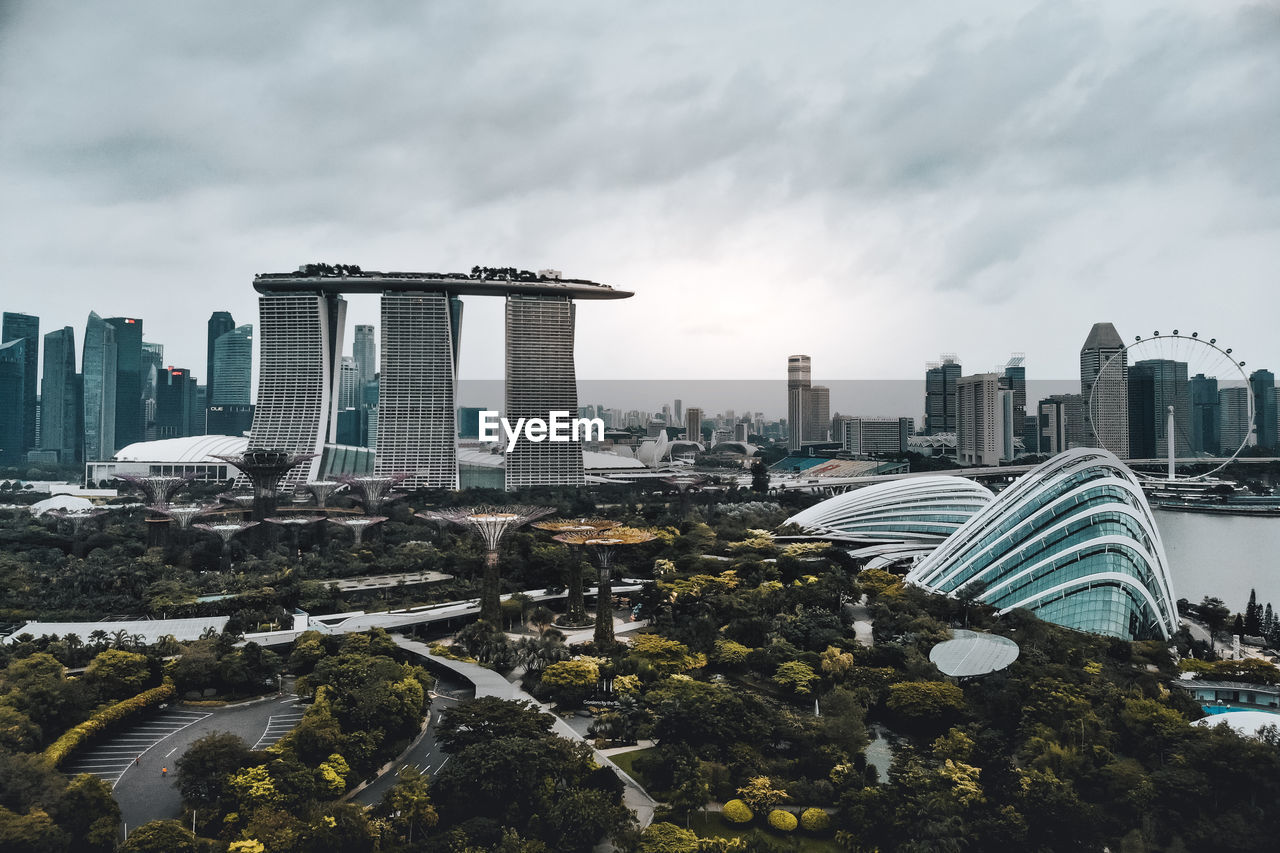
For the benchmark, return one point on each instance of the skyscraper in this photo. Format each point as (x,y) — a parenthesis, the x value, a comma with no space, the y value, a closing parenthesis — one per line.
(364,349)
(98,367)
(980,419)
(177,408)
(1204,414)
(220,322)
(416,415)
(1233,418)
(232,376)
(693,424)
(1168,387)
(13,388)
(940,380)
(540,378)
(799,379)
(26,327)
(62,413)
(348,383)
(1142,412)
(129,426)
(1107,406)
(1263,383)
(818,413)
(1015,380)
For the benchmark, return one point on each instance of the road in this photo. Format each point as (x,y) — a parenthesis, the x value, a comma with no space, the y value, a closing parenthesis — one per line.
(144,790)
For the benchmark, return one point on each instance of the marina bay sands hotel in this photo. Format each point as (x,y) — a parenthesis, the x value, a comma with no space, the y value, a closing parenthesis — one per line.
(302,321)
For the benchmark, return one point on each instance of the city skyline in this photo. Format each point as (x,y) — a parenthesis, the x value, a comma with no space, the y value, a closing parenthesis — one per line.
(1029,169)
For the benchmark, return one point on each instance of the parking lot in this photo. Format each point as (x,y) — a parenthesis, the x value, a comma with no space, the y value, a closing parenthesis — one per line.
(110,759)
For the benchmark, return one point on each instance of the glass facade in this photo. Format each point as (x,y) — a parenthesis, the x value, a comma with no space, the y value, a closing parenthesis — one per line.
(1073,541)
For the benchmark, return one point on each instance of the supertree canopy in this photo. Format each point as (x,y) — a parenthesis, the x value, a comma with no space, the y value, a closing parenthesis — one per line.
(575,608)
(158,488)
(372,490)
(293,524)
(183,515)
(322,489)
(226,529)
(602,545)
(265,468)
(492,523)
(357,524)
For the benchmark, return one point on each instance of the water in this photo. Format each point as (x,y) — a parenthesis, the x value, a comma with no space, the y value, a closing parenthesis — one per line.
(1223,556)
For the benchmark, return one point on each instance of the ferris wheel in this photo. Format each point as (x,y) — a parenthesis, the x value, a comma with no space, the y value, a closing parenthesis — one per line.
(1172,396)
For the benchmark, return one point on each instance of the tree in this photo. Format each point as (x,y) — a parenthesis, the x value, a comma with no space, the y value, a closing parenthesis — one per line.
(925,701)
(487,718)
(664,655)
(759,476)
(795,677)
(160,836)
(116,674)
(34,832)
(760,795)
(571,681)
(667,838)
(204,768)
(89,814)
(1214,613)
(409,803)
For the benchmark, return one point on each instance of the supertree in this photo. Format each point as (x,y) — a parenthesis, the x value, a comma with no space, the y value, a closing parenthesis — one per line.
(321,489)
(265,468)
(685,483)
(492,523)
(357,524)
(372,490)
(77,518)
(602,546)
(293,524)
(226,529)
(158,488)
(575,609)
(183,515)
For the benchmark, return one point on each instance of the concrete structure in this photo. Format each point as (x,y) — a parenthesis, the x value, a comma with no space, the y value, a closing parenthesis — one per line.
(220,322)
(98,368)
(178,410)
(540,378)
(1265,415)
(62,410)
(232,377)
(1074,541)
(1153,386)
(817,415)
(799,380)
(693,424)
(923,510)
(876,436)
(1233,418)
(364,349)
(1203,393)
(13,387)
(24,327)
(1107,404)
(129,411)
(981,420)
(940,406)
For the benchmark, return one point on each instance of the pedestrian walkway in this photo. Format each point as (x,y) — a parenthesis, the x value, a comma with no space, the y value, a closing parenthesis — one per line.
(110,759)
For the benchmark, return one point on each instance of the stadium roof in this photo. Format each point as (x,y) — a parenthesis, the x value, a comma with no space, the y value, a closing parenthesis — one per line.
(970,654)
(192,449)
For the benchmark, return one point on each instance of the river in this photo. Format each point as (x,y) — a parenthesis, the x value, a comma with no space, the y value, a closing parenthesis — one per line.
(1222,555)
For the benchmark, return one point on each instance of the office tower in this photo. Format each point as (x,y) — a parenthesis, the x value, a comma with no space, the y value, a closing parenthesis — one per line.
(177,407)
(541,378)
(98,368)
(348,383)
(229,383)
(364,349)
(693,424)
(469,423)
(129,408)
(679,410)
(152,364)
(1158,384)
(940,380)
(1007,415)
(1263,383)
(1233,419)
(13,394)
(61,408)
(799,377)
(1203,391)
(1015,380)
(416,426)
(876,436)
(1031,433)
(1109,402)
(220,322)
(1052,438)
(25,327)
(818,414)
(299,346)
(979,420)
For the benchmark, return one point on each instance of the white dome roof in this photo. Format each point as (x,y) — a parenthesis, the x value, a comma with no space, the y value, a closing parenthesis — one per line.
(192,449)
(69,502)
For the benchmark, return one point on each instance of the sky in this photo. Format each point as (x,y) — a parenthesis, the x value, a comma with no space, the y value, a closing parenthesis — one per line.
(868,183)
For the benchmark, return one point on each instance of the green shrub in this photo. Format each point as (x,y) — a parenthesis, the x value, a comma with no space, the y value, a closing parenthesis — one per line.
(736,811)
(668,838)
(104,719)
(783,821)
(815,820)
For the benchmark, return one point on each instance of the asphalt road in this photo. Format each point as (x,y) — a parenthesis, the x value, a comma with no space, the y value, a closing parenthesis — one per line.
(138,761)
(426,754)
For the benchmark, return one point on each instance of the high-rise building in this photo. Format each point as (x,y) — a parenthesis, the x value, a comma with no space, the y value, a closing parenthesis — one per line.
(152,365)
(799,380)
(541,378)
(1107,405)
(299,347)
(220,322)
(62,413)
(980,420)
(19,327)
(1142,412)
(818,414)
(348,383)
(177,408)
(940,380)
(1203,391)
(876,436)
(679,411)
(693,424)
(129,406)
(1168,387)
(1263,383)
(416,416)
(1014,379)
(98,368)
(469,422)
(13,391)
(232,377)
(1233,419)
(364,349)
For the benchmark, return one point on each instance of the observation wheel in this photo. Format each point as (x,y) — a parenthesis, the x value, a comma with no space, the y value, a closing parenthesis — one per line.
(1172,398)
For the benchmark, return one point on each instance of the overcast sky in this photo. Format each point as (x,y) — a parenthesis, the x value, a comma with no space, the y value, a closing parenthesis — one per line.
(871,184)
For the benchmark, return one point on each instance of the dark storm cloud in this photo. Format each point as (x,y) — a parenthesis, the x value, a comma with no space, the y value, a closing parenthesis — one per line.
(683,150)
